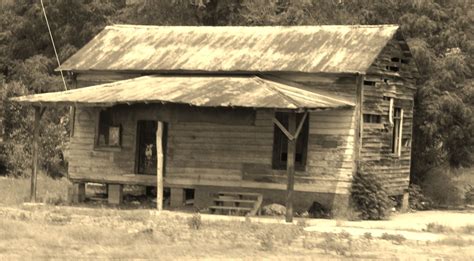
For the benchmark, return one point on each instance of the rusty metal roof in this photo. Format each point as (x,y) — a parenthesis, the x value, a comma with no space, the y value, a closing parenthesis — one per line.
(311,49)
(245,91)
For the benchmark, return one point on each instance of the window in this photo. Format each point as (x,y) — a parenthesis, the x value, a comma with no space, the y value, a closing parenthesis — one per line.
(108,134)
(372,118)
(280,143)
(397,131)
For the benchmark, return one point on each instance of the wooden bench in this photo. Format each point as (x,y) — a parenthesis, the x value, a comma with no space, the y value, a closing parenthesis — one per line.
(237,203)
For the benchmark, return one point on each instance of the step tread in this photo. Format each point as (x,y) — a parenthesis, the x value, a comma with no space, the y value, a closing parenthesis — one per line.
(239,194)
(234,200)
(230,208)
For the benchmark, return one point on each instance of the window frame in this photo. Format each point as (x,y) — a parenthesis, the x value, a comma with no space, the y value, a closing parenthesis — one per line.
(98,132)
(397,131)
(280,142)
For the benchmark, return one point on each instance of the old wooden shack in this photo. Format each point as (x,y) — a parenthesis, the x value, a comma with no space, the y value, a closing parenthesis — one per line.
(223,105)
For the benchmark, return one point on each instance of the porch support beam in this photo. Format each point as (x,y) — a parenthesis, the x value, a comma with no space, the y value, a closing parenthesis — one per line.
(34,164)
(290,167)
(159,159)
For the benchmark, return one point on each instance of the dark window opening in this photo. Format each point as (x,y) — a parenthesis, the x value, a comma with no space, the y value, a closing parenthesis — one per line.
(189,197)
(280,143)
(396,131)
(386,98)
(405,61)
(393,68)
(369,83)
(395,59)
(372,118)
(385,80)
(109,132)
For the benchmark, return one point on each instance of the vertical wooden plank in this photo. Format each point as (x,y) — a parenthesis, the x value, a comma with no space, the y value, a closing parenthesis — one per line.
(290,168)
(34,167)
(400,134)
(359,119)
(159,174)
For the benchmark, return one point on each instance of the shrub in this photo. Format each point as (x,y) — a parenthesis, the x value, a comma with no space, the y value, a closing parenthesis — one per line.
(469,195)
(369,197)
(396,239)
(438,228)
(195,221)
(340,243)
(440,187)
(417,200)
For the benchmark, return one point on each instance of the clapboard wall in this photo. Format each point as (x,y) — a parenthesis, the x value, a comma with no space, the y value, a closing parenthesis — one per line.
(390,76)
(211,154)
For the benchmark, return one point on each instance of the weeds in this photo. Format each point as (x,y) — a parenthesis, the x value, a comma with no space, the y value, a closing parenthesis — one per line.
(396,239)
(438,228)
(468,229)
(267,240)
(195,221)
(340,243)
(455,241)
(367,236)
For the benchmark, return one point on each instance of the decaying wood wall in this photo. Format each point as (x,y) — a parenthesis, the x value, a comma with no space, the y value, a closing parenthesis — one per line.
(391,76)
(215,154)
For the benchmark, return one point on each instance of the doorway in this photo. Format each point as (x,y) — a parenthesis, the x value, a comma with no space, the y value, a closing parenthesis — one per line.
(146,147)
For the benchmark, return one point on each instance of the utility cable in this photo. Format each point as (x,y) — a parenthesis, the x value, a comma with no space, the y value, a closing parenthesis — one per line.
(54,46)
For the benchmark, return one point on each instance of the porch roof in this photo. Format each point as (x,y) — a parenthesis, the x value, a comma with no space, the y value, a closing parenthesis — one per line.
(202,91)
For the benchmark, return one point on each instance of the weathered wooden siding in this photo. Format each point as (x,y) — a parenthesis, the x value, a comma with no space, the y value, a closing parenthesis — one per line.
(382,81)
(224,155)
(244,153)
(207,154)
(86,161)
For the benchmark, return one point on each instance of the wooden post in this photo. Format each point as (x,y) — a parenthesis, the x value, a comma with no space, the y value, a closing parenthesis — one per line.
(290,167)
(34,167)
(159,159)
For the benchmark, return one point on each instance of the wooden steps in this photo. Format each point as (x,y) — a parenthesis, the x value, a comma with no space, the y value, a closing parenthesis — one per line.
(237,203)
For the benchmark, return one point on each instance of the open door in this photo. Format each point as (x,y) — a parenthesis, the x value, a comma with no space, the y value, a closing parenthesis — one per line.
(146,147)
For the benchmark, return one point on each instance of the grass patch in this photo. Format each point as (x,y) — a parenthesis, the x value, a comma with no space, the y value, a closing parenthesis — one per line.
(396,239)
(455,241)
(438,228)
(468,229)
(17,190)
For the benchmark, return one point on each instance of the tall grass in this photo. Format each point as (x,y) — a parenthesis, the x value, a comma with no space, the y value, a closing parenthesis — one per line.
(15,191)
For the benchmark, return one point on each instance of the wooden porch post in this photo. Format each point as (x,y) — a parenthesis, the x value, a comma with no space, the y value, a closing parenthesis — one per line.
(159,174)
(34,167)
(290,167)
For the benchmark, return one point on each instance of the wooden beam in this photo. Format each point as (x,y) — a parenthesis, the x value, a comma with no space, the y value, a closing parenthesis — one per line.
(34,168)
(159,164)
(359,118)
(290,168)
(283,129)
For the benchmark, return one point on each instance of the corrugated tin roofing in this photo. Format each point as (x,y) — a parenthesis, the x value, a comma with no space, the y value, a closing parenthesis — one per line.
(311,49)
(248,91)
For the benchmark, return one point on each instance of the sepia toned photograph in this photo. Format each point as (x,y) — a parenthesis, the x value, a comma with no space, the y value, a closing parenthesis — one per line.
(236,130)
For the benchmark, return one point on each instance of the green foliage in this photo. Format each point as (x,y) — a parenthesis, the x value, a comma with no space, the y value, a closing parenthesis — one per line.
(369,197)
(417,199)
(440,187)
(439,34)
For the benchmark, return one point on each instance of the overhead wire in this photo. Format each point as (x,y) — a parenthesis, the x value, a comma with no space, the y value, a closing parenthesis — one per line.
(54,46)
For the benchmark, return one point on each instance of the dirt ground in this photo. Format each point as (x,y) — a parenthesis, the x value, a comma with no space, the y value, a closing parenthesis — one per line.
(61,232)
